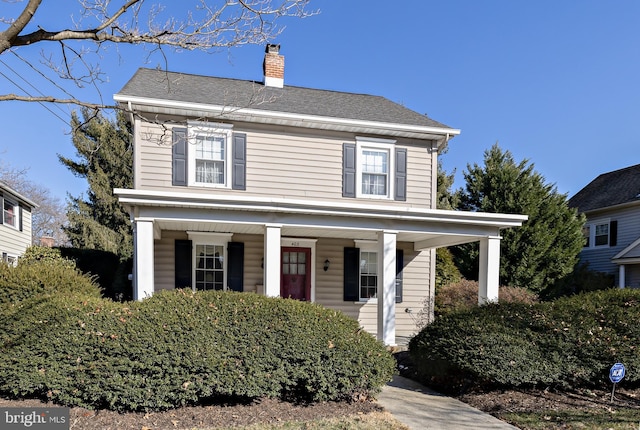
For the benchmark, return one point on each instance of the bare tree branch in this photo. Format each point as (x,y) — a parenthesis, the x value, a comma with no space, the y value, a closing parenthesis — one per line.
(206,25)
(51,99)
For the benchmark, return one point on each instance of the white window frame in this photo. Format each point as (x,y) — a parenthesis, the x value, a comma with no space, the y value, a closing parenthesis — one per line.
(16,213)
(215,239)
(591,226)
(386,145)
(367,246)
(199,128)
(9,259)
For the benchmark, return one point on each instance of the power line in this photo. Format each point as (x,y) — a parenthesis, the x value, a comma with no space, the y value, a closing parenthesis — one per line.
(27,93)
(42,74)
(33,86)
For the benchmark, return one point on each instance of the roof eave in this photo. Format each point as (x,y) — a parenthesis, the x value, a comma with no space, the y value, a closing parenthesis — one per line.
(171,107)
(610,208)
(17,195)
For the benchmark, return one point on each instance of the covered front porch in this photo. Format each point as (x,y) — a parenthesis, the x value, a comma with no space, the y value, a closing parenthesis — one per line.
(274,232)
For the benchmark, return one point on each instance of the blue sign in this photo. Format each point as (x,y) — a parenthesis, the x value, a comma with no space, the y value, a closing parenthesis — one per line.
(616,373)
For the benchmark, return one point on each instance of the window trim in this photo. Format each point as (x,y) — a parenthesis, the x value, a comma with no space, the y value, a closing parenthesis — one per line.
(370,246)
(197,128)
(16,213)
(591,227)
(215,239)
(388,145)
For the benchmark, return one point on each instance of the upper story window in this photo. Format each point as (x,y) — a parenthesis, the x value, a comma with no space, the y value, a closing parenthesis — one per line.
(600,234)
(374,177)
(10,212)
(374,169)
(208,153)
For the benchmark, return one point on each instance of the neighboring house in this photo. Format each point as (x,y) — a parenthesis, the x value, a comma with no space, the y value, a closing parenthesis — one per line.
(611,203)
(286,191)
(15,224)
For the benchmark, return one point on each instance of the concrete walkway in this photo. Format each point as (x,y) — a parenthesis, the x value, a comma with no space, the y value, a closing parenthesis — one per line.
(420,408)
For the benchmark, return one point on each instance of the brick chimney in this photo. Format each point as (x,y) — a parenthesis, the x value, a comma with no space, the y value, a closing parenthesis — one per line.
(273,67)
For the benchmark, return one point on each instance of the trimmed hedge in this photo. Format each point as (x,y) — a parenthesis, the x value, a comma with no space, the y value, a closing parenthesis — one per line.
(571,342)
(179,347)
(49,275)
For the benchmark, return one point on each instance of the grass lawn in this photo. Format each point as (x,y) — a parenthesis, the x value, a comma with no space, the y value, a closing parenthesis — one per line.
(371,421)
(615,419)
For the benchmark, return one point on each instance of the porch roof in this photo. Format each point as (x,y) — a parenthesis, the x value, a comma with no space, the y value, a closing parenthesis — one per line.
(425,228)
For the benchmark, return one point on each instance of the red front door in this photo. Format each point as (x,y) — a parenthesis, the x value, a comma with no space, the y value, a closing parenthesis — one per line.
(295,273)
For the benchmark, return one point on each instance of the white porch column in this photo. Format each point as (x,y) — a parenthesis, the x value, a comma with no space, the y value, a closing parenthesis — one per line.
(143,275)
(387,287)
(489,273)
(272,235)
(622,275)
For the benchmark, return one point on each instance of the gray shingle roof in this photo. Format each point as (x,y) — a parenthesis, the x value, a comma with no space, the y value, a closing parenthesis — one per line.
(181,87)
(609,189)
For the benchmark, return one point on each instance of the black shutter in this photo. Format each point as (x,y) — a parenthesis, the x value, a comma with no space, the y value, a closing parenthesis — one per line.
(613,233)
(351,274)
(401,175)
(1,209)
(179,157)
(183,259)
(348,170)
(20,218)
(239,162)
(235,266)
(399,267)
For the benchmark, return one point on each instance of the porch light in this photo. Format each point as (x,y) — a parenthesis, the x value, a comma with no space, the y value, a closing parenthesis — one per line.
(326,264)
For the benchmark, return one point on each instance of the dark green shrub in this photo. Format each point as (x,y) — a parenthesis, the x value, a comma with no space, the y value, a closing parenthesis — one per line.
(463,295)
(33,277)
(179,348)
(581,280)
(110,272)
(570,342)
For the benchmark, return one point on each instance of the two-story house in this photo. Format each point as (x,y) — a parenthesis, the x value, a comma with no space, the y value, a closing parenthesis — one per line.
(295,192)
(611,204)
(15,224)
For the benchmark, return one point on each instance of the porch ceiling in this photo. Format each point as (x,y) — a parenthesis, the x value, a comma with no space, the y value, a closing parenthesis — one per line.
(420,239)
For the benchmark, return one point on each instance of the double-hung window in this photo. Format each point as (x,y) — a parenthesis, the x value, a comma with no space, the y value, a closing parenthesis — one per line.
(368,270)
(209,154)
(600,234)
(374,172)
(209,260)
(10,213)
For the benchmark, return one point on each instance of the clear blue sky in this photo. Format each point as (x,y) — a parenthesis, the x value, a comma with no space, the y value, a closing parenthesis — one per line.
(556,82)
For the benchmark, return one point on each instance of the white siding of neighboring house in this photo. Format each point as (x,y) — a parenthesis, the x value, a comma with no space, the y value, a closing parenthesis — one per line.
(329,284)
(284,163)
(599,258)
(13,241)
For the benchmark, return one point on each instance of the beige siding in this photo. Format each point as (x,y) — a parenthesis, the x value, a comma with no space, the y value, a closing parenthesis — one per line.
(164,258)
(329,284)
(253,252)
(416,290)
(329,290)
(13,241)
(285,163)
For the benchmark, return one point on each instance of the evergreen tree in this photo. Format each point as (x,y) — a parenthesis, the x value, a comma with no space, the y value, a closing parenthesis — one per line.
(446,270)
(105,156)
(546,247)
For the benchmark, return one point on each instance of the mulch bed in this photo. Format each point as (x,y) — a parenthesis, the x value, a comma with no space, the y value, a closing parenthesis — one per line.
(268,411)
